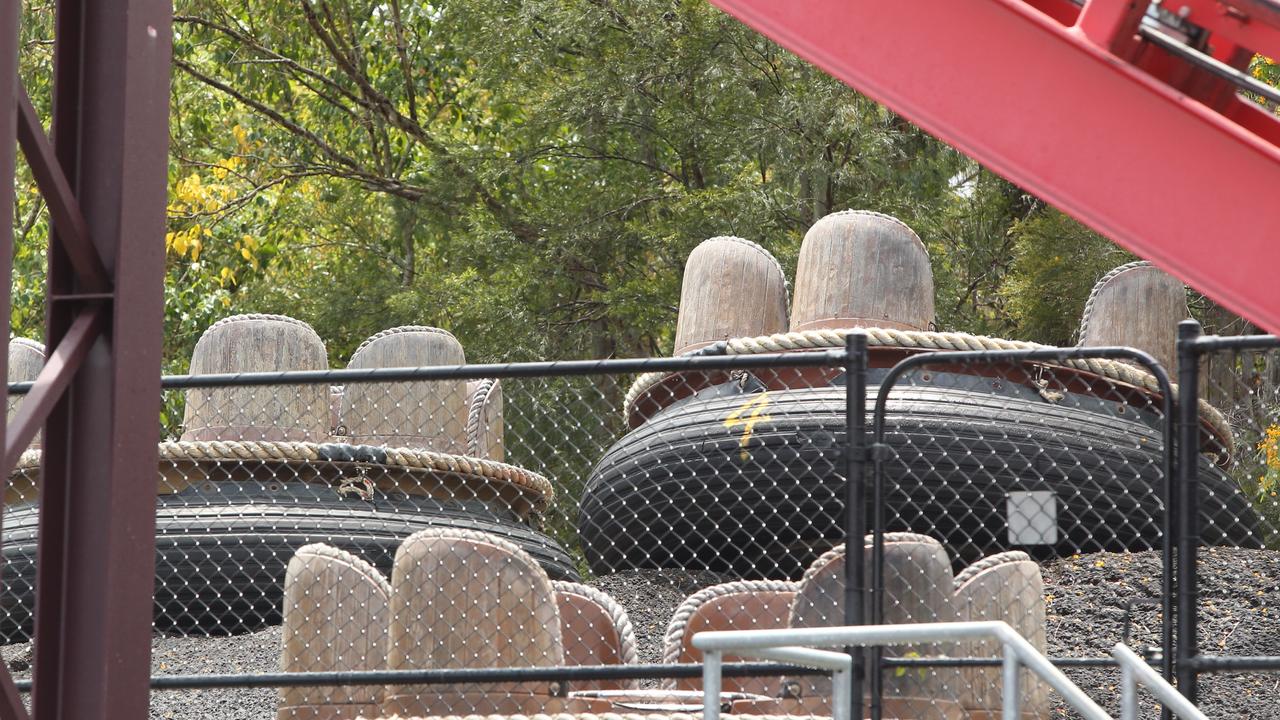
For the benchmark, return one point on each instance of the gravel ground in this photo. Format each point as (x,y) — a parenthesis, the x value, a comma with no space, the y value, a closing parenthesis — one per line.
(1089,595)
(1091,599)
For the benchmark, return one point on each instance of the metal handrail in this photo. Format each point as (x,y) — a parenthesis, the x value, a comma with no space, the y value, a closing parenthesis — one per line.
(1135,671)
(797,645)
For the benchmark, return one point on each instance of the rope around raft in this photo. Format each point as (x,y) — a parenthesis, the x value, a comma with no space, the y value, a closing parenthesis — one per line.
(239,451)
(933,341)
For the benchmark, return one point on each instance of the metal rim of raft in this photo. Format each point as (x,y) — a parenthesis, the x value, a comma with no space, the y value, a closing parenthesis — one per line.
(408,459)
(928,341)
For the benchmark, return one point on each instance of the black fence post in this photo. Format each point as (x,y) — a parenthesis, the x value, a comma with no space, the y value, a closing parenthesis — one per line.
(855,397)
(1187,525)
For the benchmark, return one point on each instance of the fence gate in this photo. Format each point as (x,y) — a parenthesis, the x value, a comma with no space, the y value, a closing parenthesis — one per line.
(994,471)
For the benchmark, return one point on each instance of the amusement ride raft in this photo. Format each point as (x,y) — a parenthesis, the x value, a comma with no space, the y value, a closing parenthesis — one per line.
(260,471)
(743,472)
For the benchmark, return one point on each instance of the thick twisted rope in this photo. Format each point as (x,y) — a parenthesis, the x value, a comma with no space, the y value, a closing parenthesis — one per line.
(29,343)
(932,341)
(986,563)
(627,653)
(673,641)
(349,561)
(414,460)
(258,316)
(882,216)
(396,458)
(402,329)
(475,413)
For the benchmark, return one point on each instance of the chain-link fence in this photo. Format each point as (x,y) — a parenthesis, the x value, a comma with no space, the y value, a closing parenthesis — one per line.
(474,533)
(1232,624)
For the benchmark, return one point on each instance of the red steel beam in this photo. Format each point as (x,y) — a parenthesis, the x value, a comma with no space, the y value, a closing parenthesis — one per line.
(1044,106)
(11,707)
(63,208)
(98,476)
(54,378)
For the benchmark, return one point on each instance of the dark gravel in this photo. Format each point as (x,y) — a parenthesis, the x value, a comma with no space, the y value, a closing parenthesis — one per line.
(651,598)
(1091,601)
(1092,598)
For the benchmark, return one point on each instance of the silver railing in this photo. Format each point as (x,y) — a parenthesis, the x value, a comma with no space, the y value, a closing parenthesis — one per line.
(1135,671)
(800,646)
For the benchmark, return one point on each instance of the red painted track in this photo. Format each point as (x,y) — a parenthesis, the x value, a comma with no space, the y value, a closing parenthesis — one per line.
(1053,108)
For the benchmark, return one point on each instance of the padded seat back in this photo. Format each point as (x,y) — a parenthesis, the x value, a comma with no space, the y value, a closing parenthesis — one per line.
(26,360)
(595,630)
(465,599)
(731,288)
(335,619)
(917,585)
(742,605)
(1007,586)
(258,343)
(430,415)
(862,269)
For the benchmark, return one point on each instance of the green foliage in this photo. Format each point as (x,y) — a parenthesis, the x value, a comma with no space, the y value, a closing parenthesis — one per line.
(1058,261)
(531,175)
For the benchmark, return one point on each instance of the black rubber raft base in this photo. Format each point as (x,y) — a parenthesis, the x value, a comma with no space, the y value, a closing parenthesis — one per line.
(222,548)
(685,490)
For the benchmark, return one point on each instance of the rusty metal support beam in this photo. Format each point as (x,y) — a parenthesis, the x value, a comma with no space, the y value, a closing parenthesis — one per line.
(98,476)
(11,707)
(64,211)
(58,371)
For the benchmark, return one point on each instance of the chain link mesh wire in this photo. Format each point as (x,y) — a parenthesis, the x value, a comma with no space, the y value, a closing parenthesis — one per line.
(1238,588)
(993,473)
(537,522)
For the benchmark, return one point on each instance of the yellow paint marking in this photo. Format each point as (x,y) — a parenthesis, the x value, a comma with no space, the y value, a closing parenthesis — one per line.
(746,416)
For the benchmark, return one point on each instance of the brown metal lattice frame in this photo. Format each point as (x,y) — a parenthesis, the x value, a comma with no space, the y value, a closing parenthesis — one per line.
(103,177)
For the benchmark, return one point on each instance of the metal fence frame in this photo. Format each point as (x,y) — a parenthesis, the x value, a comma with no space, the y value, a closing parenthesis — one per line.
(1057,355)
(863,466)
(1189,661)
(557,677)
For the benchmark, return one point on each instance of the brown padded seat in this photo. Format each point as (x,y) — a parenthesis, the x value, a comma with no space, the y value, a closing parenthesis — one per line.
(731,288)
(862,269)
(918,582)
(1007,586)
(466,599)
(426,415)
(743,605)
(594,630)
(258,343)
(335,618)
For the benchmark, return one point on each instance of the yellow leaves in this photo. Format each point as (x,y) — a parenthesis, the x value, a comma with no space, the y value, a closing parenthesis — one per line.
(226,275)
(1269,446)
(188,241)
